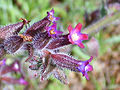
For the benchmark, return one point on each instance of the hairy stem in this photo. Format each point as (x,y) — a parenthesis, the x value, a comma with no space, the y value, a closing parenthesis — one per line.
(102,23)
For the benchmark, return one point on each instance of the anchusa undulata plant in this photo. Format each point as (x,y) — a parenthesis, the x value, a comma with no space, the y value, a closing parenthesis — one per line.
(43,42)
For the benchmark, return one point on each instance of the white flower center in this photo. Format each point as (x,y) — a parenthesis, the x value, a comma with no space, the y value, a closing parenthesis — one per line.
(75,37)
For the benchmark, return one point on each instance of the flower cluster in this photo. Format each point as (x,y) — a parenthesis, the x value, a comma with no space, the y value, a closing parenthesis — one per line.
(43,43)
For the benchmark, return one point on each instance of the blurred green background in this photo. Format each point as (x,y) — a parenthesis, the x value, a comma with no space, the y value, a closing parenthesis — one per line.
(104,41)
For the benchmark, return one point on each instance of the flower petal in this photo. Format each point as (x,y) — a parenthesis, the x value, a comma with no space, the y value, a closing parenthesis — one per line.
(52,11)
(81,45)
(3,62)
(52,30)
(84,67)
(78,27)
(83,36)
(70,28)
(51,17)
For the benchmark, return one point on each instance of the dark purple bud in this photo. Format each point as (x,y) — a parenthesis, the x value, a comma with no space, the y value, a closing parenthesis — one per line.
(12,29)
(68,62)
(37,27)
(94,16)
(58,42)
(40,40)
(13,43)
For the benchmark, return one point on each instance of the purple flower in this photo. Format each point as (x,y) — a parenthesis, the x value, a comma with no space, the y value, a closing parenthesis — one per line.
(75,36)
(51,16)
(52,30)
(3,62)
(84,67)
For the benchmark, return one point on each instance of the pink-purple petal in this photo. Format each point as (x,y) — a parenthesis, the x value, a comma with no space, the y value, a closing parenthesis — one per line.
(83,37)
(81,45)
(70,28)
(52,11)
(78,27)
(88,68)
